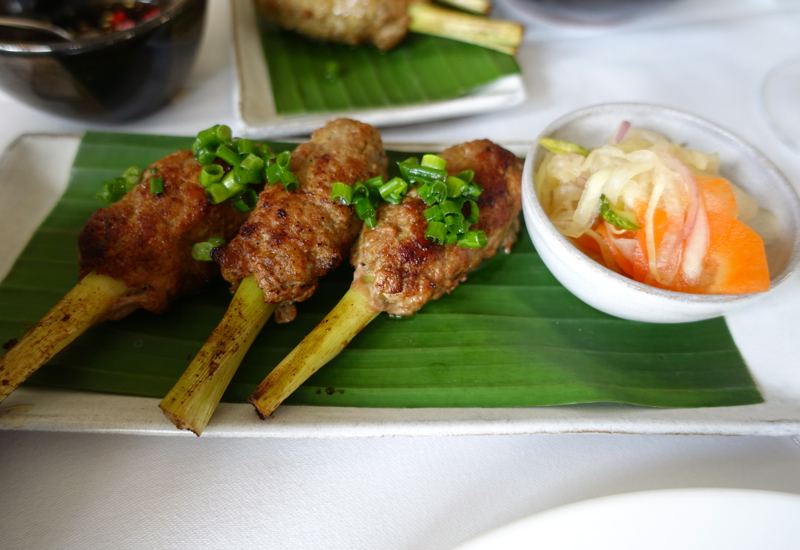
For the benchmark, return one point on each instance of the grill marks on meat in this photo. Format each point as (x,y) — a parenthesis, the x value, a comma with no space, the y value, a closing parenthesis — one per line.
(146,240)
(398,270)
(380,22)
(293,238)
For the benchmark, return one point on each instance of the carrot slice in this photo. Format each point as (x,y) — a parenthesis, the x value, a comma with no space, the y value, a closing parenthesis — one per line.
(739,262)
(717,196)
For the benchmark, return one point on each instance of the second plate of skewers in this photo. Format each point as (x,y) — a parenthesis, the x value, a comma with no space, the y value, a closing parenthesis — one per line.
(290,83)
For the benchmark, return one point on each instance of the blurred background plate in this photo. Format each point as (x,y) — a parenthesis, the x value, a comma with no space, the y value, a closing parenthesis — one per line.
(689,519)
(261,116)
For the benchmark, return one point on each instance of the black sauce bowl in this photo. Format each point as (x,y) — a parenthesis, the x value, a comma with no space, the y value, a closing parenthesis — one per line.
(110,78)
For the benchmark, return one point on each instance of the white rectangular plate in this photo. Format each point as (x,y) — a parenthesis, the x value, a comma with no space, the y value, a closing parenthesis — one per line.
(255,106)
(768,334)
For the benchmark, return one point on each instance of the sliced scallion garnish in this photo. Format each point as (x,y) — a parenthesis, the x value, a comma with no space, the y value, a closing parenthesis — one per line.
(156,185)
(341,193)
(210,174)
(246,201)
(202,251)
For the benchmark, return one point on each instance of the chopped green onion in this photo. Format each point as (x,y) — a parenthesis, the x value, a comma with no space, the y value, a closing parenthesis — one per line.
(217,193)
(341,193)
(154,170)
(245,176)
(245,147)
(375,182)
(415,173)
(156,186)
(473,239)
(450,207)
(466,175)
(393,190)
(432,193)
(284,159)
(454,223)
(451,238)
(364,210)
(289,181)
(473,190)
(205,156)
(228,155)
(215,135)
(112,191)
(434,161)
(234,186)
(474,212)
(273,173)
(252,162)
(246,201)
(211,173)
(562,147)
(262,150)
(436,232)
(456,187)
(434,214)
(132,177)
(202,251)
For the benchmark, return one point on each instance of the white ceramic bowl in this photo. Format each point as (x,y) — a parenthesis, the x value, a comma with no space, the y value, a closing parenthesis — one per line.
(617,295)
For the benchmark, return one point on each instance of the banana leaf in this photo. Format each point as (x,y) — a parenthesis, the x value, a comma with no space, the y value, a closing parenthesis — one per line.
(309,76)
(510,336)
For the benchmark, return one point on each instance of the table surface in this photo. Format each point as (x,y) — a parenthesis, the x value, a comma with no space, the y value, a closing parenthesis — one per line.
(67,490)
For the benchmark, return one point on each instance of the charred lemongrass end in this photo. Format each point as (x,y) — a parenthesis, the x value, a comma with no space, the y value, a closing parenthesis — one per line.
(193,399)
(85,305)
(503,36)
(481,7)
(325,342)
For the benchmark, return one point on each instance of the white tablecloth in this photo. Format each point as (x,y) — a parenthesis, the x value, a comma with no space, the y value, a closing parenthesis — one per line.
(62,490)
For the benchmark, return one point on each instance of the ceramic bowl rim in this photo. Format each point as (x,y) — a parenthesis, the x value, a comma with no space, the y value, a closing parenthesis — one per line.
(554,236)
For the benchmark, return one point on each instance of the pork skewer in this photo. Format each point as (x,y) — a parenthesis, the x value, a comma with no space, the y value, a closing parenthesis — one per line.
(398,270)
(386,22)
(135,253)
(289,241)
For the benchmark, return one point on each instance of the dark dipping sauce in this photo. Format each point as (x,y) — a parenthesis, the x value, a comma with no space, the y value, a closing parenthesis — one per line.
(128,58)
(98,19)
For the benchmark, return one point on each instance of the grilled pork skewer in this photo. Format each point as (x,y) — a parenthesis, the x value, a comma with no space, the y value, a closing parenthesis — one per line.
(290,240)
(398,270)
(135,253)
(385,22)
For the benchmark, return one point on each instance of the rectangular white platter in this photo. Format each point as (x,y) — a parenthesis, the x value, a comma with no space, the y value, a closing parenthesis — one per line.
(767,333)
(255,107)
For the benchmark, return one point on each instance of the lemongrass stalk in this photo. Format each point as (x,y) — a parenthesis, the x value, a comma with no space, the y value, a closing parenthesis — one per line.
(193,399)
(85,305)
(504,36)
(481,7)
(325,342)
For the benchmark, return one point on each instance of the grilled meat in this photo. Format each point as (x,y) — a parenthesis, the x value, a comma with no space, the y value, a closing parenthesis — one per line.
(398,270)
(380,22)
(293,238)
(145,240)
